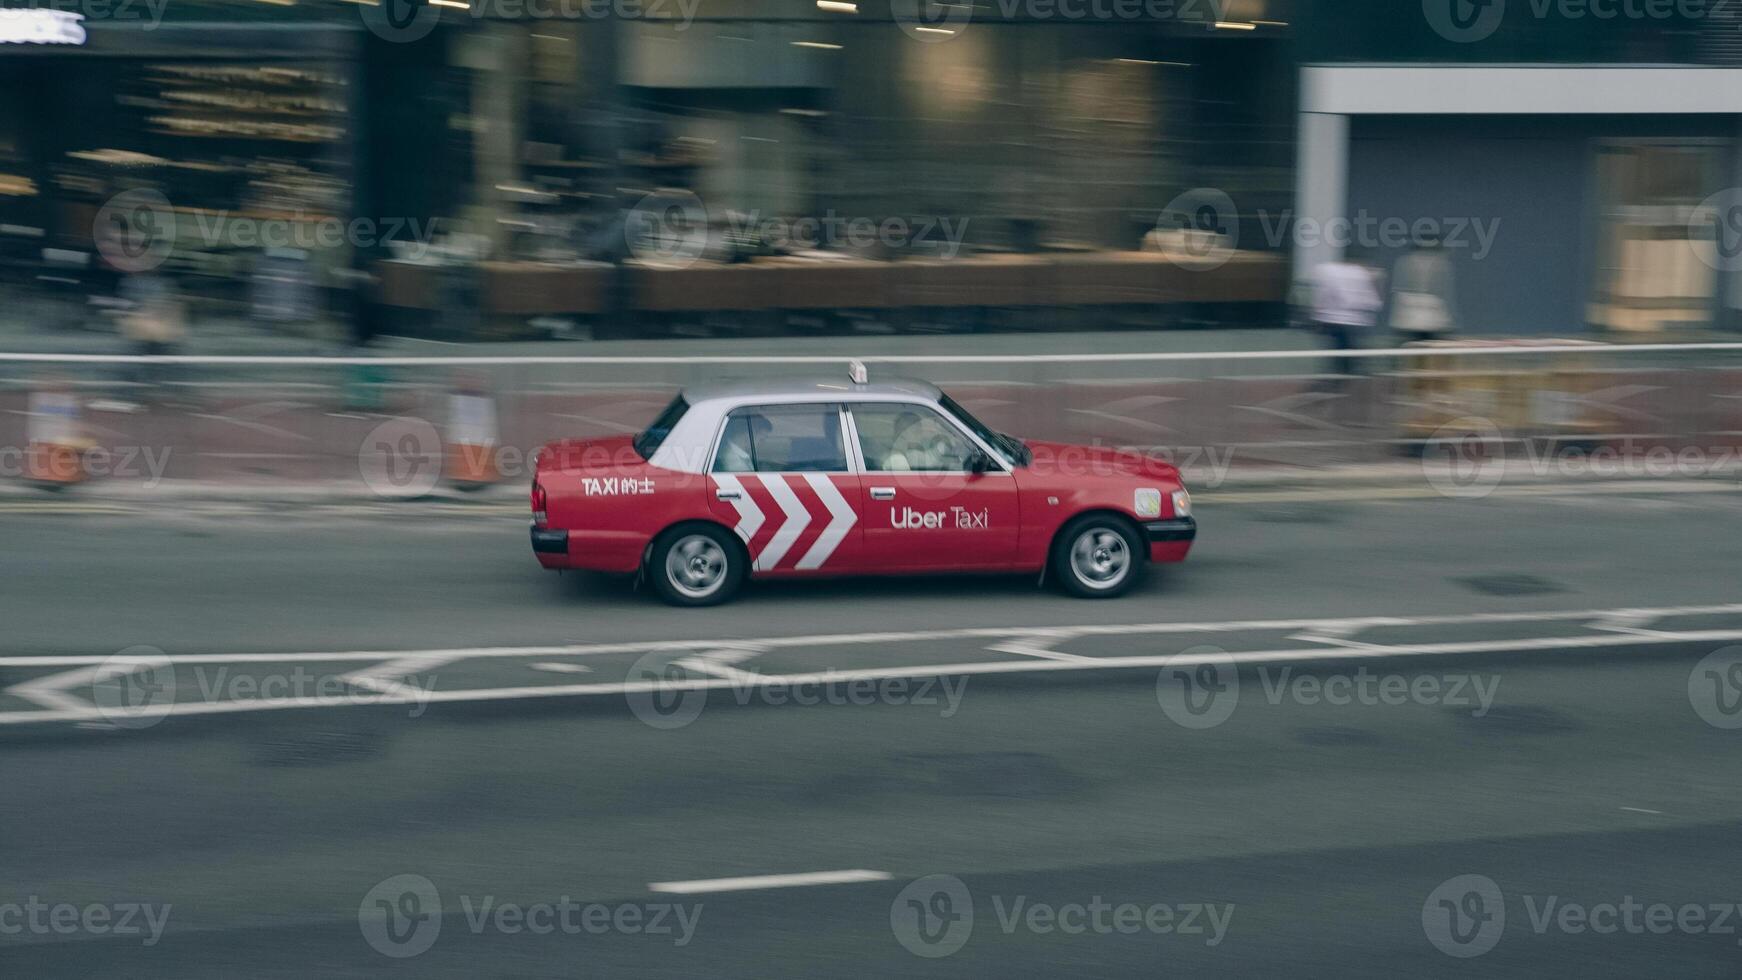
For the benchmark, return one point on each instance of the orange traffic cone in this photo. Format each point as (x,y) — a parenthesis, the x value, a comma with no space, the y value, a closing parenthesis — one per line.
(57,446)
(471,439)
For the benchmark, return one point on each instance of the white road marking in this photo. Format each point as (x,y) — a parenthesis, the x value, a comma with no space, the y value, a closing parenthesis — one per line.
(389,677)
(842,517)
(797,519)
(707,885)
(556,668)
(718,663)
(51,691)
(1638,809)
(714,658)
(1030,648)
(844,639)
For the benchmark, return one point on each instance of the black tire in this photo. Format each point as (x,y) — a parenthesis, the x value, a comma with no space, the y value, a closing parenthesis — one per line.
(1098,556)
(715,560)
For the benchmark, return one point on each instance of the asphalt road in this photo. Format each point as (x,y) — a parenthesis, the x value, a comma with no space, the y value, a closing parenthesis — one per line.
(1318,835)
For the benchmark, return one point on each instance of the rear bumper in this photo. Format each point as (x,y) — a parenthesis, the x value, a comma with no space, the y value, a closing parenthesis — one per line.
(1170,540)
(549,545)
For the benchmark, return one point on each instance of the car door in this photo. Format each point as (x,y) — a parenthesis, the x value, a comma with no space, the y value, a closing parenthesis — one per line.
(781,478)
(926,505)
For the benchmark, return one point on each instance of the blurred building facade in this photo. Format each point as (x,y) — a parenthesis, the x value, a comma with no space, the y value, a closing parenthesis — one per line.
(882,165)
(483,143)
(1597,141)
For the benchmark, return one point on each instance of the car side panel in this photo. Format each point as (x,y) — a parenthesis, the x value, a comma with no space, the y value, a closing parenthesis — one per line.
(613,513)
(793,523)
(1057,489)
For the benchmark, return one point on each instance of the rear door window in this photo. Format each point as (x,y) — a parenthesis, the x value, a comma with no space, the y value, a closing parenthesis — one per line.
(782,439)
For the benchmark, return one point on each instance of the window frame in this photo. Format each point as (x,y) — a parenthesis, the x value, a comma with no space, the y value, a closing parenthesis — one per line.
(849,447)
(999,465)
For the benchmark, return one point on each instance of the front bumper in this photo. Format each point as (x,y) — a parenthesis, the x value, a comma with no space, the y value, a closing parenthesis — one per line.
(1178,529)
(549,542)
(1170,540)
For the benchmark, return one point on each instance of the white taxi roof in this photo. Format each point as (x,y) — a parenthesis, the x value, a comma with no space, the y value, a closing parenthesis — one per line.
(774,391)
(691,440)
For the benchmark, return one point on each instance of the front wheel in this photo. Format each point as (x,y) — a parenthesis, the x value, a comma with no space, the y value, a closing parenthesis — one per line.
(696,565)
(1097,557)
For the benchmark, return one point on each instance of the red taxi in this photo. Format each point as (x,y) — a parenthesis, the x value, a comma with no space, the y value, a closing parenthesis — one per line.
(784,478)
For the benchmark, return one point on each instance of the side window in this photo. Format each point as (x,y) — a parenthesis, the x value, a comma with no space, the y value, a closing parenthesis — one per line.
(902,438)
(782,439)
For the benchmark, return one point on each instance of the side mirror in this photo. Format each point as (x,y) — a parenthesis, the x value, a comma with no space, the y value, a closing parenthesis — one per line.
(978,464)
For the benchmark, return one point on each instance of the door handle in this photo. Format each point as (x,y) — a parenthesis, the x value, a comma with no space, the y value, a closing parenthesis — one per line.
(882,493)
(727,495)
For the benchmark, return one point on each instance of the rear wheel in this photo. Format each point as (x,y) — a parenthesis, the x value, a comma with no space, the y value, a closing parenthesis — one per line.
(1098,557)
(696,565)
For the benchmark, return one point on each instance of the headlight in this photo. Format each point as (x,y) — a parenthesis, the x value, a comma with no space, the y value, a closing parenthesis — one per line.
(1182,503)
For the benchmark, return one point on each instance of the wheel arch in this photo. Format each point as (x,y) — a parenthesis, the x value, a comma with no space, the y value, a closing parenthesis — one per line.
(743,550)
(1131,524)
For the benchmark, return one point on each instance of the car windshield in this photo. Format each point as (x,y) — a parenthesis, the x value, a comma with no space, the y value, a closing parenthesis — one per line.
(649,441)
(1012,449)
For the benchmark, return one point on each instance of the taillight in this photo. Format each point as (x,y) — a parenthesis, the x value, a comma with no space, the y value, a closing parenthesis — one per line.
(538,500)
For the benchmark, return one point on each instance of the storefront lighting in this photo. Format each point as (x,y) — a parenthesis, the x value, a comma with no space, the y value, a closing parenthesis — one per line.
(838,6)
(934,30)
(456,4)
(1226,25)
(821,45)
(1147,61)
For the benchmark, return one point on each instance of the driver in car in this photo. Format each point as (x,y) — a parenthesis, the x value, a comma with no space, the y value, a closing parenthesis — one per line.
(921,444)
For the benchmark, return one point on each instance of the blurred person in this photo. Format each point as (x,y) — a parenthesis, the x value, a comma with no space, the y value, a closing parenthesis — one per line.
(153,318)
(920,444)
(738,450)
(357,299)
(1422,306)
(1345,306)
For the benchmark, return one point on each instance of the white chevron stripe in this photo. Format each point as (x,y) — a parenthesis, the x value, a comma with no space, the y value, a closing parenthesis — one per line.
(842,519)
(797,519)
(749,515)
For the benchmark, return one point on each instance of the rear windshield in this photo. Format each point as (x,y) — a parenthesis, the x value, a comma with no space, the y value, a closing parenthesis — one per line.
(649,441)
